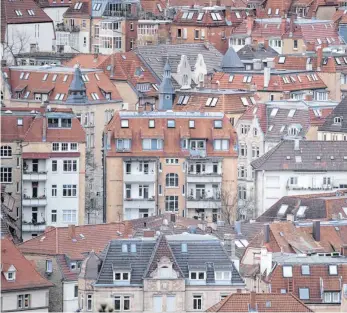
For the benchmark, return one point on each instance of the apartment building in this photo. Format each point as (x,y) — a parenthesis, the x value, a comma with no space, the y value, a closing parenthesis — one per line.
(89,93)
(22,288)
(335,126)
(158,274)
(25,28)
(297,167)
(161,161)
(46,171)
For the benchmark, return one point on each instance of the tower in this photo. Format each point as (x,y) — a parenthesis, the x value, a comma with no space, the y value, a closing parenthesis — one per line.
(77,89)
(166,89)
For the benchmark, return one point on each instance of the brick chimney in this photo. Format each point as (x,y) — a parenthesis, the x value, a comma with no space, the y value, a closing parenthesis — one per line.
(319,57)
(283,25)
(316,230)
(72,231)
(343,251)
(266,44)
(291,25)
(250,22)
(252,304)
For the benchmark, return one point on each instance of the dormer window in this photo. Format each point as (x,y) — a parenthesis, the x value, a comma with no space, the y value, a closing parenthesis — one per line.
(73,266)
(293,131)
(222,275)
(11,276)
(218,124)
(197,275)
(337,120)
(121,276)
(53,123)
(124,123)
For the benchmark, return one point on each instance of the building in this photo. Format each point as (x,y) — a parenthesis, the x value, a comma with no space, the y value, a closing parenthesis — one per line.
(335,125)
(54,9)
(92,97)
(22,287)
(160,162)
(260,302)
(43,165)
(297,167)
(25,27)
(59,253)
(324,206)
(316,280)
(254,56)
(158,274)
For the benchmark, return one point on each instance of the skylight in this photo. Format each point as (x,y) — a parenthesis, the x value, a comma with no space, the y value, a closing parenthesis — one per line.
(231,78)
(301,211)
(96,6)
(78,5)
(200,16)
(270,128)
(184,16)
(291,113)
(283,209)
(252,100)
(281,60)
(237,14)
(31,12)
(190,15)
(244,101)
(19,13)
(274,112)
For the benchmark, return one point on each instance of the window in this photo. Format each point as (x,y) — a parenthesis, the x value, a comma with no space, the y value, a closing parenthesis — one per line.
(54,216)
(143,191)
(242,171)
(191,124)
(332,269)
(281,60)
(295,44)
(45,77)
(122,303)
(218,124)
(304,293)
(54,165)
(225,275)
(197,275)
(211,102)
(196,34)
(305,270)
(221,144)
(243,150)
(170,123)
(54,190)
(255,152)
(64,146)
(123,144)
(23,301)
(89,302)
(152,144)
(332,297)
(124,123)
(287,271)
(121,276)
(49,266)
(171,203)
(197,302)
(69,216)
(65,122)
(172,180)
(337,120)
(6,151)
(245,129)
(151,123)
(70,166)
(293,181)
(6,175)
(69,190)
(242,192)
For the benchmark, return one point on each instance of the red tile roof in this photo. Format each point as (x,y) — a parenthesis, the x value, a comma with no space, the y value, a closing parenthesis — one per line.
(98,82)
(319,120)
(26,275)
(259,111)
(63,240)
(152,6)
(84,11)
(138,129)
(204,21)
(239,302)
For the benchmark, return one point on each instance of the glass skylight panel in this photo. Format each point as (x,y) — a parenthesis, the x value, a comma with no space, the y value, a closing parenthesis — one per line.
(274,112)
(219,18)
(200,16)
(237,14)
(184,16)
(190,15)
(283,209)
(208,102)
(231,78)
(291,113)
(213,15)
(214,102)
(301,211)
(244,101)
(252,100)
(281,60)
(185,100)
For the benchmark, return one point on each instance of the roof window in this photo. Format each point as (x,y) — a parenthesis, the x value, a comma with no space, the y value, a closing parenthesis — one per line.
(200,16)
(291,113)
(31,12)
(281,60)
(96,6)
(337,120)
(65,78)
(94,95)
(211,102)
(270,128)
(337,60)
(269,11)
(54,78)
(237,14)
(19,13)
(301,211)
(231,78)
(247,79)
(183,99)
(218,124)
(124,123)
(78,5)
(274,112)
(45,77)
(283,209)
(277,11)
(287,271)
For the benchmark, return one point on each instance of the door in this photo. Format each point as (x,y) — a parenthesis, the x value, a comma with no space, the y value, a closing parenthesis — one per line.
(35,166)
(35,187)
(158,303)
(34,215)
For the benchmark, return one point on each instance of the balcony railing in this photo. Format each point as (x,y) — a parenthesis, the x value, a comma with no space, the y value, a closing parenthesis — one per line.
(36,176)
(140,199)
(197,153)
(204,173)
(204,198)
(61,27)
(34,225)
(34,201)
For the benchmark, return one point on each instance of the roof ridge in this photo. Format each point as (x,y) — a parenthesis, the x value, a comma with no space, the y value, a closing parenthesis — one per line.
(103,261)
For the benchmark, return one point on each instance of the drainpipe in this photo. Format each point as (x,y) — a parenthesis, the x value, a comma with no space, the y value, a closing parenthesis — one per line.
(157,187)
(104,150)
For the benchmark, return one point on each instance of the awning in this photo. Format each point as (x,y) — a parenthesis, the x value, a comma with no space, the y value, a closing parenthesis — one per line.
(43,90)
(35,155)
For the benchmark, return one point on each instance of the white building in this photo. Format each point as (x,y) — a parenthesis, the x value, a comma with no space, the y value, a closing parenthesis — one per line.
(26,29)
(299,167)
(22,287)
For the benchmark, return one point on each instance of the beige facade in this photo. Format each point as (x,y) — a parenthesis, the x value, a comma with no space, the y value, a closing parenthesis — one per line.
(293,46)
(333,82)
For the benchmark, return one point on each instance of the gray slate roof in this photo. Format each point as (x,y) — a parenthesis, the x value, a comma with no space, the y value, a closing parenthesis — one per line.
(166,86)
(155,56)
(196,257)
(231,61)
(301,117)
(251,52)
(333,156)
(339,111)
(77,89)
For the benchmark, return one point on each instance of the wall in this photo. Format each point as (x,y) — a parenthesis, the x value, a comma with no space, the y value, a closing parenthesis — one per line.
(56,14)
(288,46)
(70,302)
(334,86)
(38,300)
(325,12)
(331,136)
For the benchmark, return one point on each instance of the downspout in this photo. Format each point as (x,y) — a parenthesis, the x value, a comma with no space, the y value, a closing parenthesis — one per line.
(157,187)
(104,178)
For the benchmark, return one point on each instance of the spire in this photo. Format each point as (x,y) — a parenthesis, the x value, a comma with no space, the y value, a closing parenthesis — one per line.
(231,61)
(77,88)
(166,89)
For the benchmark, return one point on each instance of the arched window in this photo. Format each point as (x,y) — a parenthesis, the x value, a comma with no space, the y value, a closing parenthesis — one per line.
(172,180)
(6,151)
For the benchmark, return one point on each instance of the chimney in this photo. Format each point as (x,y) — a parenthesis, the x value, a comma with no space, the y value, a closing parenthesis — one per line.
(267,76)
(283,25)
(265,261)
(237,227)
(250,22)
(319,58)
(252,305)
(296,144)
(286,95)
(291,25)
(344,250)
(266,233)
(290,217)
(266,44)
(316,230)
(44,128)
(72,232)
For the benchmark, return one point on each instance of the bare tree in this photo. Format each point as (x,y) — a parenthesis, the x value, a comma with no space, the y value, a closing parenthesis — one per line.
(17,45)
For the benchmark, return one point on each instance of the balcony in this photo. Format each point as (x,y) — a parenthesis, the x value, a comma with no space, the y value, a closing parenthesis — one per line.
(139,203)
(121,13)
(35,176)
(31,201)
(194,177)
(140,178)
(203,202)
(33,226)
(61,27)
(197,153)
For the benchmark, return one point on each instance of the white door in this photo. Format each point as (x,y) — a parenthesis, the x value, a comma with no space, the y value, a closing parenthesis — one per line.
(171,303)
(158,303)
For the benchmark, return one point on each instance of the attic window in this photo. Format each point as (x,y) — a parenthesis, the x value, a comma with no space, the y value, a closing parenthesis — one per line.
(252,100)
(159,7)
(19,13)
(218,124)
(277,11)
(244,101)
(121,276)
(287,271)
(337,120)
(124,245)
(96,6)
(332,269)
(124,123)
(78,6)
(274,112)
(94,95)
(325,61)
(97,76)
(211,102)
(151,124)
(171,123)
(281,60)
(237,14)
(11,275)
(54,78)
(190,15)
(269,11)
(247,79)
(301,211)
(31,12)
(291,113)
(200,16)
(270,128)
(45,77)
(184,248)
(305,270)
(231,78)
(85,78)
(65,78)
(197,275)
(283,209)
(337,60)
